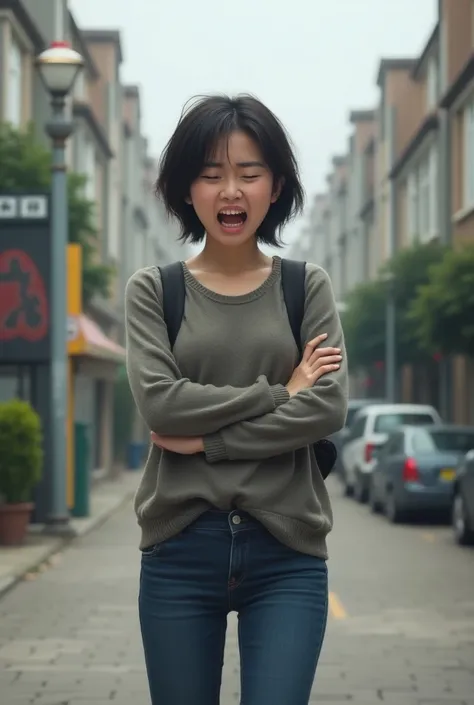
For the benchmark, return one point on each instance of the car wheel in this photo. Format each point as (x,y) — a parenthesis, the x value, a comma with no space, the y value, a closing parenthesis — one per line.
(360,492)
(463,533)
(392,511)
(374,503)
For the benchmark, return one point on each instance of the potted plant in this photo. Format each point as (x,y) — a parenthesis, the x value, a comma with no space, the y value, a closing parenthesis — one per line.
(21,461)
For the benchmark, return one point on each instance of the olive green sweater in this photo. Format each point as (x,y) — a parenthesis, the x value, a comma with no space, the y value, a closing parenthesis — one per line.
(225,381)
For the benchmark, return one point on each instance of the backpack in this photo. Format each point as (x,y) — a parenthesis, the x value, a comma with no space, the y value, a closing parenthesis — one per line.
(293,284)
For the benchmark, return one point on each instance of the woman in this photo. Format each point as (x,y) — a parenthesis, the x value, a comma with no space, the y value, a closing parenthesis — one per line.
(233,510)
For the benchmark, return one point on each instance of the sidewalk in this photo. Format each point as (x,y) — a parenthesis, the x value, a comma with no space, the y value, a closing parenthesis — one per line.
(24,562)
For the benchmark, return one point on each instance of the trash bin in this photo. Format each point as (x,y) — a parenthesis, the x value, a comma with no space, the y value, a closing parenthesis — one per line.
(82,475)
(136,455)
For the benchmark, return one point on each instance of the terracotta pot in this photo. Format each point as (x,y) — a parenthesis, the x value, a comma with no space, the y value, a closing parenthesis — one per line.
(14,520)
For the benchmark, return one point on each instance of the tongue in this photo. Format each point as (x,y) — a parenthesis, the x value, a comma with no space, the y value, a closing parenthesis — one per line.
(231,219)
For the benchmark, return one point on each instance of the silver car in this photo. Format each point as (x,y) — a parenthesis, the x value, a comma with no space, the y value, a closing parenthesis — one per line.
(416,469)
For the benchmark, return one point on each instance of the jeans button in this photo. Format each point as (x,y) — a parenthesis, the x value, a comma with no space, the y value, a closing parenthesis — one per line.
(236,519)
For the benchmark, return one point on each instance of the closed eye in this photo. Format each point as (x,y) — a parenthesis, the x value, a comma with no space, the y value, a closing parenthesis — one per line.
(210,178)
(250,177)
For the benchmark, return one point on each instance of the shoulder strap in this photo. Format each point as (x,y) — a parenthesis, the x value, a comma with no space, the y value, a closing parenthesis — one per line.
(174,294)
(293,274)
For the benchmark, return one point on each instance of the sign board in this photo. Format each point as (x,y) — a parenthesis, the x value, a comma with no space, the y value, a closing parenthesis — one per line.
(25,276)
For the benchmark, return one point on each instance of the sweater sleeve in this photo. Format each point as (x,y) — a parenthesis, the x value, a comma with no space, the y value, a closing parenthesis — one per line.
(170,404)
(310,415)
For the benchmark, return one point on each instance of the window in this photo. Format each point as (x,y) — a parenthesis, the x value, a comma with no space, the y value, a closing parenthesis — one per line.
(434,200)
(413,227)
(386,423)
(425,441)
(423,198)
(469,155)
(14,84)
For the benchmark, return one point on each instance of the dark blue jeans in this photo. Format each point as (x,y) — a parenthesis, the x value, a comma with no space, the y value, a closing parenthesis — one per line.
(224,562)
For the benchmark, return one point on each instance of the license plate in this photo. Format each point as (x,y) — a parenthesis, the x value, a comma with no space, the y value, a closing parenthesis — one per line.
(447,474)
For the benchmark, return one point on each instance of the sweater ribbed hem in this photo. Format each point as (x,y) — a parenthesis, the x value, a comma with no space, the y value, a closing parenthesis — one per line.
(280,394)
(309,538)
(304,538)
(214,448)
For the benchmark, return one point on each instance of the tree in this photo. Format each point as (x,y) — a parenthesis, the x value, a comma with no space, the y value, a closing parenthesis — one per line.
(364,319)
(410,269)
(443,311)
(364,325)
(26,166)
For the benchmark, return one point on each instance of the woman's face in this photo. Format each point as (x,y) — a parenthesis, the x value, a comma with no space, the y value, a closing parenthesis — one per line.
(234,191)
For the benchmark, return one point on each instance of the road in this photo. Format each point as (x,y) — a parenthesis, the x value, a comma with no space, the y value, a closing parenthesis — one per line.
(400,632)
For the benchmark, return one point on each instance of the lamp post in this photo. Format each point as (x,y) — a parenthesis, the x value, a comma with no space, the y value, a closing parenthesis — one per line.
(59,67)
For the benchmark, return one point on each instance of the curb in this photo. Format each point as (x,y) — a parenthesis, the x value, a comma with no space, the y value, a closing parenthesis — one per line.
(60,544)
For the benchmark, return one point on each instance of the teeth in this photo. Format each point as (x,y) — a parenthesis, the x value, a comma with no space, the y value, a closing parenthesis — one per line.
(232,212)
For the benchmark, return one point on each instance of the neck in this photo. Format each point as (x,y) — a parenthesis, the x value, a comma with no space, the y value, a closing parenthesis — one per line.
(219,258)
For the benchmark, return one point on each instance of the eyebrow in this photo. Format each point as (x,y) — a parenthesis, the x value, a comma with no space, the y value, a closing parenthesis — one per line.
(242,165)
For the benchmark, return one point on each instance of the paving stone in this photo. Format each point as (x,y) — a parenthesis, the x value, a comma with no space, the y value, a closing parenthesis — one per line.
(71,637)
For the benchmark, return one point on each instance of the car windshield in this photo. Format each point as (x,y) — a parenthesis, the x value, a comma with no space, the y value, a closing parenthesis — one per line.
(387,422)
(426,441)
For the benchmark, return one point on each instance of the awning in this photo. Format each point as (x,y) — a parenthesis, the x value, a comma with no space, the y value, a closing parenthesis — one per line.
(86,339)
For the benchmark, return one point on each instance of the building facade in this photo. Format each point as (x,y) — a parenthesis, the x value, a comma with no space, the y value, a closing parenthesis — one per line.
(407,177)
(108,148)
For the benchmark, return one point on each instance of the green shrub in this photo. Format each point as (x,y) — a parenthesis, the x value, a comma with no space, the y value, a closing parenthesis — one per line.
(21,451)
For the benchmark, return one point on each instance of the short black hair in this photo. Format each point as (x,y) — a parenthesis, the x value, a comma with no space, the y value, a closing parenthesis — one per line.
(201,126)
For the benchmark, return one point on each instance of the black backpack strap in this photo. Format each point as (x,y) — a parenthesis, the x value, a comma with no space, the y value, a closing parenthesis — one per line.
(174,295)
(293,275)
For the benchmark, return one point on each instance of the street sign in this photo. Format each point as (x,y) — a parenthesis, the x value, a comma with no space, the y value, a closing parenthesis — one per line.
(24,278)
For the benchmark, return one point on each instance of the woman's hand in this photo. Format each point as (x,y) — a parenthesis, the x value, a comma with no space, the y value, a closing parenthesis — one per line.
(184,445)
(316,362)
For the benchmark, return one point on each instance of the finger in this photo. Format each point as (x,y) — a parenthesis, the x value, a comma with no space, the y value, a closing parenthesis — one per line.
(312,344)
(323,352)
(324,370)
(327,360)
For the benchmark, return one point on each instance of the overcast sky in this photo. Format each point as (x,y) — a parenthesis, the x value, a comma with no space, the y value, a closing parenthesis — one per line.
(310,61)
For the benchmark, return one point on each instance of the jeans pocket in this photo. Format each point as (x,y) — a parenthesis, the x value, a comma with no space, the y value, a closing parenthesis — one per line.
(151,551)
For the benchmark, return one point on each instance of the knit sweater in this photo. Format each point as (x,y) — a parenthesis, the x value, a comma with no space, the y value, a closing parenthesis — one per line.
(224,381)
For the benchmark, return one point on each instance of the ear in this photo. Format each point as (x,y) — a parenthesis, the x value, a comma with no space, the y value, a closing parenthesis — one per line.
(189,200)
(277,188)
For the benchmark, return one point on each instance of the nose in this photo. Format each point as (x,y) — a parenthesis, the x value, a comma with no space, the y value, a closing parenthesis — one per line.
(230,190)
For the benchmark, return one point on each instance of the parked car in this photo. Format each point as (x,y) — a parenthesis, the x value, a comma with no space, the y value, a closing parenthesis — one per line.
(369,430)
(463,500)
(339,438)
(415,470)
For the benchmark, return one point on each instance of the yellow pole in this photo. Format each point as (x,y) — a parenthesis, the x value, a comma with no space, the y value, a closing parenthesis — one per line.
(74,309)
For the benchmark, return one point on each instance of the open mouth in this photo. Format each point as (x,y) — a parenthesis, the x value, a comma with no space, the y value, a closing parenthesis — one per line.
(232,218)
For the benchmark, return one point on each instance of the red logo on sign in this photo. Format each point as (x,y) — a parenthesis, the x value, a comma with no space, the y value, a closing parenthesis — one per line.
(23,302)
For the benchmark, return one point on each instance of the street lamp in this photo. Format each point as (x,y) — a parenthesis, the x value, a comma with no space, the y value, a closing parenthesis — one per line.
(59,67)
